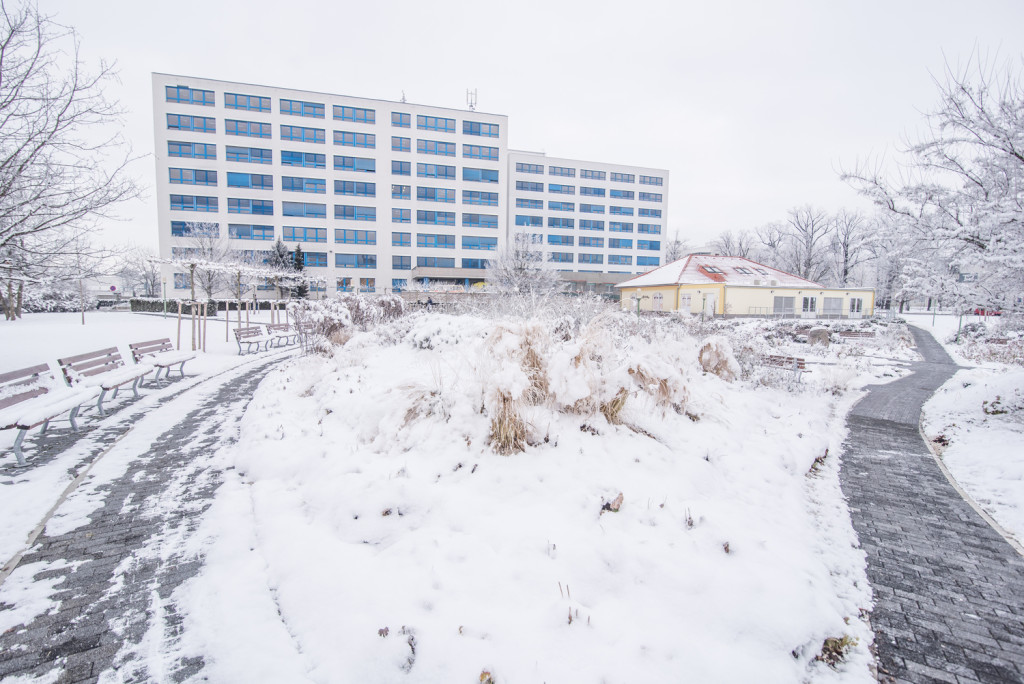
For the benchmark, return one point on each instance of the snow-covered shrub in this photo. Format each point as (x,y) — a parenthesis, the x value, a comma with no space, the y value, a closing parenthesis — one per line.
(329,319)
(54,298)
(716,357)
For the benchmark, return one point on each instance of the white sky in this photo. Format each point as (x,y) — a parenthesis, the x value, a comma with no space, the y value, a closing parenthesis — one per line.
(751,105)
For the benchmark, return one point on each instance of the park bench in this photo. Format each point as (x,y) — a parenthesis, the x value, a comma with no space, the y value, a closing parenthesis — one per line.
(283,333)
(793,363)
(32,396)
(999,340)
(252,337)
(305,333)
(103,368)
(856,334)
(162,355)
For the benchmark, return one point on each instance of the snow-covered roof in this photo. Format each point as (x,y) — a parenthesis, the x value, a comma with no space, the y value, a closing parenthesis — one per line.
(705,269)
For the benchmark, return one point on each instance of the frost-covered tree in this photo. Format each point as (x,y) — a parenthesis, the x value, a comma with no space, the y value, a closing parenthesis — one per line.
(850,245)
(301,290)
(740,243)
(676,248)
(201,251)
(807,242)
(519,268)
(771,237)
(139,271)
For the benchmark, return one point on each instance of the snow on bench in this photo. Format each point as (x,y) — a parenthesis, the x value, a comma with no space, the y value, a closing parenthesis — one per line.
(32,396)
(252,337)
(161,353)
(856,334)
(794,363)
(105,369)
(283,332)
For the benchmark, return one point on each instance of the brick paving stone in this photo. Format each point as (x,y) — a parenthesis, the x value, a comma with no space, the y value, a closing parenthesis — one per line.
(939,571)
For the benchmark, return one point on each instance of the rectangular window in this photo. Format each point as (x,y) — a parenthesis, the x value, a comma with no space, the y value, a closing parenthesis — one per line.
(401,215)
(561,206)
(401,263)
(650,228)
(306,209)
(651,180)
(650,196)
(401,119)
(620,260)
(475,263)
(182,281)
(533,221)
(252,103)
(592,208)
(251,155)
(810,304)
(249,129)
(250,180)
(562,171)
(435,262)
(399,284)
(313,110)
(348,212)
(309,160)
(619,243)
(344,284)
(435,123)
(191,150)
(355,261)
(564,240)
(591,258)
(401,192)
(647,261)
(560,257)
(485,243)
(489,199)
(401,239)
(480,152)
(360,164)
(435,194)
(480,220)
(246,231)
(529,168)
(367,285)
(650,245)
(856,305)
(529,187)
(785,306)
(355,237)
(355,188)
(592,192)
(314,259)
(189,95)
(621,194)
(591,241)
(198,124)
(440,218)
(193,203)
(562,189)
(832,306)
(188,229)
(250,206)
(590,224)
(435,171)
(296,184)
(620,211)
(351,139)
(593,175)
(343,113)
(554,222)
(620,227)
(436,241)
(193,177)
(444,149)
(486,130)
(529,203)
(623,177)
(300,234)
(399,144)
(400,168)
(650,213)
(303,134)
(480,175)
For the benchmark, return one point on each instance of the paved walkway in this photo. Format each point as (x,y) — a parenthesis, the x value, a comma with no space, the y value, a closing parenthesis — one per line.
(949,590)
(111,578)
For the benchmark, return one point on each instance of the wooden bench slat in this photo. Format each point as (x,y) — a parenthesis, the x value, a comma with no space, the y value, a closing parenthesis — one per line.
(24,373)
(89,355)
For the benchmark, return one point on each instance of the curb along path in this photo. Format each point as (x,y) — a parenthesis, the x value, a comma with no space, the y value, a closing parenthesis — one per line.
(113,576)
(949,590)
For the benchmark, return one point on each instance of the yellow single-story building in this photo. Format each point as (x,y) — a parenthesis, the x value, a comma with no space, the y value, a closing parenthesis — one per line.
(735,286)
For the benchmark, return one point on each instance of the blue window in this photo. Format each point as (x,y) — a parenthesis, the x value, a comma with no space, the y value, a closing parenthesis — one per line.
(399,284)
(529,168)
(480,175)
(317,186)
(309,160)
(651,228)
(592,175)
(619,227)
(250,206)
(344,284)
(400,168)
(650,245)
(250,129)
(191,150)
(591,241)
(401,239)
(486,243)
(184,122)
(193,203)
(529,220)
(252,155)
(355,237)
(592,208)
(621,194)
(189,95)
(189,228)
(480,220)
(591,192)
(647,261)
(650,196)
(486,130)
(623,177)
(620,260)
(252,103)
(440,218)
(314,259)
(562,171)
(489,199)
(480,152)
(299,108)
(529,203)
(250,180)
(343,113)
(348,212)
(303,134)
(400,144)
(357,188)
(401,263)
(620,243)
(351,139)
(560,257)
(244,231)
(432,240)
(435,194)
(193,177)
(401,191)
(561,206)
(435,123)
(651,180)
(562,189)
(620,211)
(308,209)
(435,262)
(590,224)
(401,119)
(560,222)
(529,187)
(355,260)
(361,164)
(444,149)
(650,213)
(435,171)
(474,263)
(591,259)
(401,215)
(182,281)
(301,234)
(566,240)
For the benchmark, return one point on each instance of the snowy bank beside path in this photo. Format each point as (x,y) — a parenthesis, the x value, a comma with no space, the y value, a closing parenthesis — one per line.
(661,524)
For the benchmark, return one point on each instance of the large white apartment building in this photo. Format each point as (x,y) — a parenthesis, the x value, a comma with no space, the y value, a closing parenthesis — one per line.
(378,193)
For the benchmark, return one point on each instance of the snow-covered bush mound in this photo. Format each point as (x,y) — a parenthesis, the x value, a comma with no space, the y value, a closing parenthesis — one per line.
(1001,342)
(452,496)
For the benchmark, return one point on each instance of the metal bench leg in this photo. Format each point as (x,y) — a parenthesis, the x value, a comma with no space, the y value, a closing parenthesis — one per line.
(46,424)
(114,395)
(72,416)
(135,386)
(17,448)
(99,402)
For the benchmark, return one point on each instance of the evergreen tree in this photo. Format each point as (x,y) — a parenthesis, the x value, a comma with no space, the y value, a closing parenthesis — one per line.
(298,263)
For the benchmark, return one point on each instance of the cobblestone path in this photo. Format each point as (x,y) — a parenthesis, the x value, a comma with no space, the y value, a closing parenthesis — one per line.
(111,577)
(949,590)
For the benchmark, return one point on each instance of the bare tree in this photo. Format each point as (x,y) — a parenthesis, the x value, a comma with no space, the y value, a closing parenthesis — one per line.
(772,237)
(202,251)
(740,243)
(806,246)
(139,272)
(851,236)
(676,248)
(519,272)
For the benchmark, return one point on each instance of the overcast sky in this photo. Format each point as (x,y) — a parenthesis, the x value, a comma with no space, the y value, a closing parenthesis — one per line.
(751,105)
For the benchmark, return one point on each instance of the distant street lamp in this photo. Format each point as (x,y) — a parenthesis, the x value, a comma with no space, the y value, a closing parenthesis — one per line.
(165,296)
(638,297)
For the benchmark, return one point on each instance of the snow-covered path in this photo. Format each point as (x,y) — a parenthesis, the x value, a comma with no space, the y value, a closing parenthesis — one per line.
(87,601)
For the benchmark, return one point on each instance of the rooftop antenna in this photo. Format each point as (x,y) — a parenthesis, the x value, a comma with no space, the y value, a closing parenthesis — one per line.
(403,97)
(471,99)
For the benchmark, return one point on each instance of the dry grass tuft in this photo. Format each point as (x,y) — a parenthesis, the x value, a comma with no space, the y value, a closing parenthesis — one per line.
(613,408)
(508,431)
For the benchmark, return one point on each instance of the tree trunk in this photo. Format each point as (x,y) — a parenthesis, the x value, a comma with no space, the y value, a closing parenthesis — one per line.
(21,290)
(81,298)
